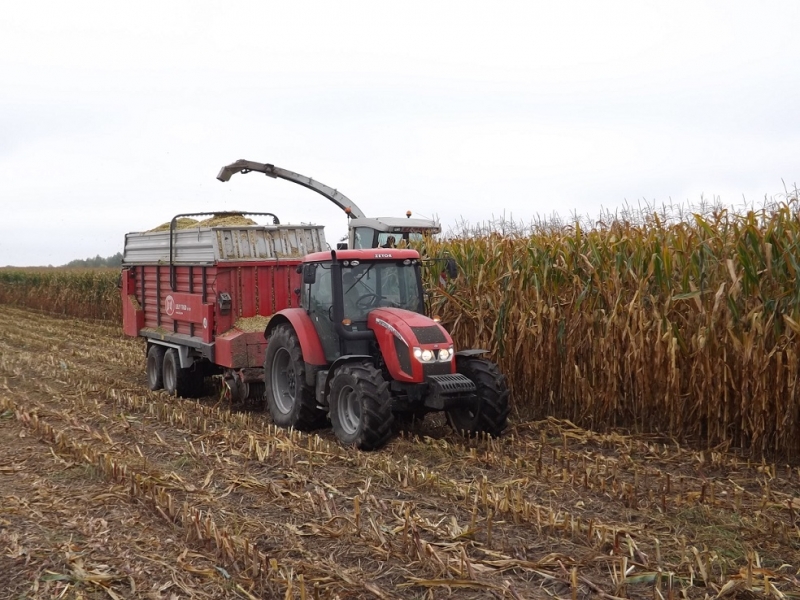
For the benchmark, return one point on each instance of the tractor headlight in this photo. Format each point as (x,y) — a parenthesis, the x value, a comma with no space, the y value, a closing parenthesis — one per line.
(445,354)
(423,355)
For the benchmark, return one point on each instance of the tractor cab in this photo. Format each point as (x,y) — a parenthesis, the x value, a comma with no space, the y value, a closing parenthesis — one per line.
(341,289)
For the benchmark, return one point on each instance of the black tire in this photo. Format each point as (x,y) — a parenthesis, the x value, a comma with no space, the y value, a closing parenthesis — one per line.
(187,383)
(361,408)
(491,415)
(155,367)
(290,401)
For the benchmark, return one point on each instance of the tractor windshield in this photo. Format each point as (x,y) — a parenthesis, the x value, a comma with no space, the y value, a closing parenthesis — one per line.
(368,285)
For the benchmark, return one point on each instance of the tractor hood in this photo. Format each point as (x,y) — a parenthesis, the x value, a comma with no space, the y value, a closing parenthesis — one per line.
(413,345)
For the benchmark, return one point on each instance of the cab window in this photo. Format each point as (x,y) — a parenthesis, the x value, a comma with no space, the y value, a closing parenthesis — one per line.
(385,283)
(389,240)
(363,237)
(322,290)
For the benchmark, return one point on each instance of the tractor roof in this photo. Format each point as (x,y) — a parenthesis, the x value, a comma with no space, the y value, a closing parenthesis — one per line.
(363,254)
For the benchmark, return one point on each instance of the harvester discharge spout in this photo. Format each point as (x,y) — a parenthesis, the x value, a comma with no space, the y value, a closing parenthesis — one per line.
(339,199)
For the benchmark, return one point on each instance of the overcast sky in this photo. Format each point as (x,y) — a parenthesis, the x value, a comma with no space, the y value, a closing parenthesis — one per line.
(116,116)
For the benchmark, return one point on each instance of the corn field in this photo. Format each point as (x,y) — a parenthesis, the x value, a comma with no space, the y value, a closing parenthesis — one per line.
(85,293)
(684,326)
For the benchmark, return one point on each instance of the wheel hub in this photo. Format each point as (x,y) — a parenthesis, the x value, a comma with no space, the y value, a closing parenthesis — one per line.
(350,413)
(284,381)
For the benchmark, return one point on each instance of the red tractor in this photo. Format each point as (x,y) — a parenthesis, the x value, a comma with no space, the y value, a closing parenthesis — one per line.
(360,350)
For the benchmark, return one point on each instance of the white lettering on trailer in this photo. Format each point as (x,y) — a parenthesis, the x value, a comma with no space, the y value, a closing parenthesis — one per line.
(173,308)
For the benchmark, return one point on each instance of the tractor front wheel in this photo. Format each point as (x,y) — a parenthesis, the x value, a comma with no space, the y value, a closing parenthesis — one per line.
(290,401)
(360,406)
(490,414)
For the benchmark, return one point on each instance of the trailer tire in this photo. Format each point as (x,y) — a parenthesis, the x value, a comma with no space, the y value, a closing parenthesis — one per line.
(290,401)
(491,415)
(187,383)
(361,409)
(155,367)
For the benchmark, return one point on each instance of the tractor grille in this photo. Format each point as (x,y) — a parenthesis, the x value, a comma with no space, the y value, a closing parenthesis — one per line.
(437,369)
(456,383)
(429,335)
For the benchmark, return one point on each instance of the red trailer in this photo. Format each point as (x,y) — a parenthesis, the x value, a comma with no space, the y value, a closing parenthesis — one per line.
(202,296)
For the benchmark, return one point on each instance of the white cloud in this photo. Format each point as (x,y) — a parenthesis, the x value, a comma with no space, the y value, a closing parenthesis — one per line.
(114,117)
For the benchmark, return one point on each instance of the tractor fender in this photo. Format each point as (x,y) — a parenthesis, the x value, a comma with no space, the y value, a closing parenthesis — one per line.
(342,360)
(304,329)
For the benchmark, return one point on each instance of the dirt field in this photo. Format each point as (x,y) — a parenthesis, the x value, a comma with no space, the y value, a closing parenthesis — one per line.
(109,490)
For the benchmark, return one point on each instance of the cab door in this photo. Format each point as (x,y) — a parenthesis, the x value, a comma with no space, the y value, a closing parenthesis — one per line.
(320,302)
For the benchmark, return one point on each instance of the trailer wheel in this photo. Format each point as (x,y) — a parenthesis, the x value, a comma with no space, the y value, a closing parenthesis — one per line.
(361,410)
(155,367)
(290,401)
(491,414)
(180,382)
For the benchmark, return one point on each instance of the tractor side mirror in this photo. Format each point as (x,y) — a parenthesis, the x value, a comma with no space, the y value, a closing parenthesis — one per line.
(309,273)
(451,268)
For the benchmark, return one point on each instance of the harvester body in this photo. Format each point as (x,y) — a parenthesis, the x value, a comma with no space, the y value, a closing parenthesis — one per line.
(362,231)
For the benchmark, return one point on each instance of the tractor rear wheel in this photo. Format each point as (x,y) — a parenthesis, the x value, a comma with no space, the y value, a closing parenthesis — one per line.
(361,409)
(491,413)
(290,401)
(187,383)
(155,367)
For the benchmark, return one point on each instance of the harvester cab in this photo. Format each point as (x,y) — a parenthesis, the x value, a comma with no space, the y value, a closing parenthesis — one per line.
(362,232)
(389,232)
(361,351)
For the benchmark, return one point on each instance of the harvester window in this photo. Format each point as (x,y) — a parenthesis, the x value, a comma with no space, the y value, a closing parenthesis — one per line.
(364,237)
(398,240)
(388,240)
